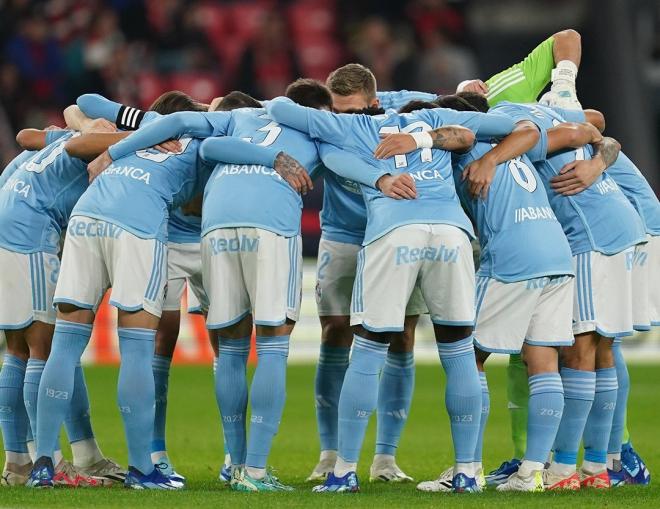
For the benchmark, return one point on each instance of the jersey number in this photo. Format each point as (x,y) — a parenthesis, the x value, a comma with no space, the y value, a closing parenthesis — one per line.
(272,130)
(39,166)
(158,157)
(401,161)
(523,175)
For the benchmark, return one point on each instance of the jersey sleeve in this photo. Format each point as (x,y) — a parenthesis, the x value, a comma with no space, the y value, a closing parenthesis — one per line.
(55,134)
(320,125)
(97,106)
(237,151)
(349,165)
(523,82)
(395,100)
(484,125)
(165,128)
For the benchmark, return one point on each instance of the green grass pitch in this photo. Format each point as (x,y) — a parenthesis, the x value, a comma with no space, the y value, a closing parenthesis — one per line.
(195,446)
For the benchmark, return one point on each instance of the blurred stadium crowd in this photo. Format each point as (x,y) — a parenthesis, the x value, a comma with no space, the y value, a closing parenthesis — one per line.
(133,50)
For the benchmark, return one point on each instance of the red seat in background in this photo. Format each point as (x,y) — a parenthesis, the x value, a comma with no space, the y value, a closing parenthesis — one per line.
(201,86)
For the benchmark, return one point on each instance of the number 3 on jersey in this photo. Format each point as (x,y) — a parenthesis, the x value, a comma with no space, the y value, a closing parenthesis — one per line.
(272,130)
(400,160)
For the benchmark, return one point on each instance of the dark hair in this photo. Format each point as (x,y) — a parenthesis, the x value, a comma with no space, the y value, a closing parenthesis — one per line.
(455,102)
(352,79)
(309,92)
(417,105)
(237,99)
(173,101)
(479,101)
(369,110)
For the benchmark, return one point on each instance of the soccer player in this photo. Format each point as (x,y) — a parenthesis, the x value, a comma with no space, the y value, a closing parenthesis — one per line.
(38,192)
(426,238)
(602,228)
(116,237)
(343,221)
(184,266)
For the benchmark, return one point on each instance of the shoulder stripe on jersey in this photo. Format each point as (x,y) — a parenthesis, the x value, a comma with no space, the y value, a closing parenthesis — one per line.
(129,118)
(504,85)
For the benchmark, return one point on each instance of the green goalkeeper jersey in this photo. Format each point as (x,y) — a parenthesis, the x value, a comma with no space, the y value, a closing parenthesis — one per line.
(523,82)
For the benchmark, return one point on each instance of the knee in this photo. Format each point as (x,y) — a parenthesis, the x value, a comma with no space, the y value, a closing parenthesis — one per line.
(451,334)
(336,331)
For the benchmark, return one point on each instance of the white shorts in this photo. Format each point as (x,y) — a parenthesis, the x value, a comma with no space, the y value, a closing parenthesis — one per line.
(603,293)
(251,270)
(184,271)
(27,286)
(536,311)
(335,275)
(98,254)
(435,257)
(646,284)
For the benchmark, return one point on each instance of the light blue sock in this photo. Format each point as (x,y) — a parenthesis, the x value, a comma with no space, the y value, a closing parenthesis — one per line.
(57,383)
(546,404)
(231,393)
(267,397)
(33,372)
(397,382)
(330,371)
(359,395)
(13,417)
(78,424)
(579,388)
(462,396)
(619,418)
(599,423)
(161,367)
(136,395)
(485,412)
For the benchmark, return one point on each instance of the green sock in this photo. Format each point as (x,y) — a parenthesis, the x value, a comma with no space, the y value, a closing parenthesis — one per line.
(517,390)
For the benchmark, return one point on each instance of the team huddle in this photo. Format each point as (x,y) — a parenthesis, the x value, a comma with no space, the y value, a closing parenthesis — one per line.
(207,199)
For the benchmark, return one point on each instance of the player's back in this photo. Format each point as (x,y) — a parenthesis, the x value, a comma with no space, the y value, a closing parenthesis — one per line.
(599,218)
(436,202)
(37,198)
(137,191)
(519,234)
(636,188)
(256,195)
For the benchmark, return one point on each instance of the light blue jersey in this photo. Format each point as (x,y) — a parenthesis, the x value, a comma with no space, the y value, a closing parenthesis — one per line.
(344,213)
(395,100)
(37,198)
(14,165)
(519,234)
(436,200)
(182,228)
(137,191)
(636,188)
(600,218)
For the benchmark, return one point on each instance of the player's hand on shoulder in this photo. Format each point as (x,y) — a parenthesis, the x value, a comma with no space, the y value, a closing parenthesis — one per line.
(293,172)
(399,187)
(96,167)
(169,147)
(479,175)
(576,176)
(394,144)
